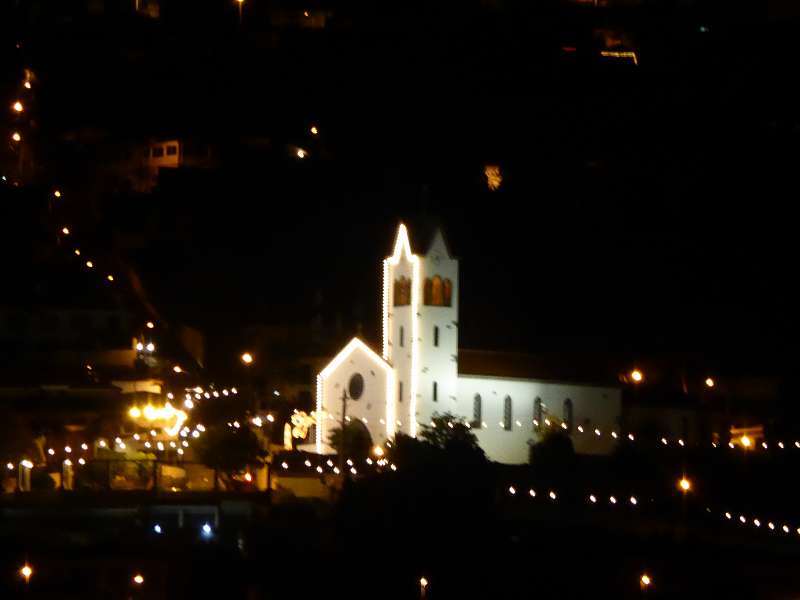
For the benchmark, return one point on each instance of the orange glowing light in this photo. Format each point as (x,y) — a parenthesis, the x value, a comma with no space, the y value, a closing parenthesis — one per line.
(615,54)
(26,571)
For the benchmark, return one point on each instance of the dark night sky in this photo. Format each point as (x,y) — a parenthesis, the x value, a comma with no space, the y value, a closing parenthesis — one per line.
(633,211)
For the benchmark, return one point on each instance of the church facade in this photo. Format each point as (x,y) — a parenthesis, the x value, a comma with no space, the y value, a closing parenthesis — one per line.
(416,374)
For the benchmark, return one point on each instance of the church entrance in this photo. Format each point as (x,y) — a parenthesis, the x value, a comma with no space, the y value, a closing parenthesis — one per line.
(357,439)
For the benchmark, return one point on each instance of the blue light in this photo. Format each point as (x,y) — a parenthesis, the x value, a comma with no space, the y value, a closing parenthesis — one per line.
(206,529)
(704,29)
(157,528)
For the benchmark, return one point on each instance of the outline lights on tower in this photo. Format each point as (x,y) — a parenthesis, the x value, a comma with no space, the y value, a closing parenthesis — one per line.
(16,136)
(246,358)
(138,579)
(746,442)
(645,580)
(17,106)
(710,382)
(300,153)
(314,130)
(57,193)
(177,369)
(150,325)
(637,376)
(65,230)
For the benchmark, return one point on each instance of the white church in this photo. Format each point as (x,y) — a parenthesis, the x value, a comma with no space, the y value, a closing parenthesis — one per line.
(416,374)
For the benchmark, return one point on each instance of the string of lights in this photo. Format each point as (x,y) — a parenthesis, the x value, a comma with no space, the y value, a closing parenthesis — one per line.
(633,501)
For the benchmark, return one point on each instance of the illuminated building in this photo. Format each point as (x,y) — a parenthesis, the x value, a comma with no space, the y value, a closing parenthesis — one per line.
(419,370)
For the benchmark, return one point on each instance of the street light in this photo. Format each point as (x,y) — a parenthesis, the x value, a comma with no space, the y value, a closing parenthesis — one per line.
(17,106)
(16,136)
(423,587)
(26,571)
(684,484)
(246,358)
(138,579)
(746,441)
(710,382)
(637,376)
(644,582)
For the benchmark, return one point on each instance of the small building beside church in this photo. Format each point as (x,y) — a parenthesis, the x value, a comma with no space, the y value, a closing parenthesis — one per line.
(417,372)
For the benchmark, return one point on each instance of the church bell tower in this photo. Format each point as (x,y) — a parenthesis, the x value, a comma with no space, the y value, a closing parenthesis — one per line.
(420,328)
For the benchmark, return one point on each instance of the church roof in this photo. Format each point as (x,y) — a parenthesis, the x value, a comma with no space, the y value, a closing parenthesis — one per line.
(574,368)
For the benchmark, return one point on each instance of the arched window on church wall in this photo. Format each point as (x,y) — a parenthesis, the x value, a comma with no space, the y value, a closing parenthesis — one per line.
(402,291)
(477,412)
(448,292)
(427,291)
(437,291)
(538,413)
(507,416)
(568,415)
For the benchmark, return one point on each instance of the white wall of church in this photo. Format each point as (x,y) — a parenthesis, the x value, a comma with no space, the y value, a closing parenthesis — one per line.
(370,408)
(593,407)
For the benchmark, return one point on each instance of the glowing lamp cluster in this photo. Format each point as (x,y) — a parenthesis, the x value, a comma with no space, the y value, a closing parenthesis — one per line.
(169,418)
